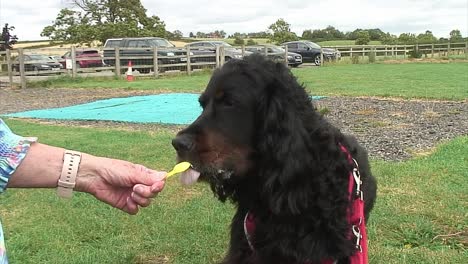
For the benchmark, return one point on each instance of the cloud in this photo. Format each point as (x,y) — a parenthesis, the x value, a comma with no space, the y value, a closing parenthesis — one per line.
(398,16)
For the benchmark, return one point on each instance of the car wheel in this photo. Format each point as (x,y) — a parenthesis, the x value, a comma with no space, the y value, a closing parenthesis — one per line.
(317,60)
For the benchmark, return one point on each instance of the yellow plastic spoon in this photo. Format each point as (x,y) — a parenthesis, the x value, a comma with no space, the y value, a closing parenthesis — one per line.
(178,168)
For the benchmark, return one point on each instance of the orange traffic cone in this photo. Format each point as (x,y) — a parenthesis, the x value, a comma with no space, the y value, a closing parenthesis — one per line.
(130,77)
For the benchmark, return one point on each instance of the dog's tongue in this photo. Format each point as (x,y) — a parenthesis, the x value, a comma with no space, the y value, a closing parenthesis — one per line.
(189,177)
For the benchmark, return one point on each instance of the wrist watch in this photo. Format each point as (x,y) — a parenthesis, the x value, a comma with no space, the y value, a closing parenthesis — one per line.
(66,182)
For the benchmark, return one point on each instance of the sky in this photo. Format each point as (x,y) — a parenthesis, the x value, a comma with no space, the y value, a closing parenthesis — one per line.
(29,17)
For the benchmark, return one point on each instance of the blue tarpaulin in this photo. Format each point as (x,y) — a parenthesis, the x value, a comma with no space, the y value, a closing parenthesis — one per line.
(173,108)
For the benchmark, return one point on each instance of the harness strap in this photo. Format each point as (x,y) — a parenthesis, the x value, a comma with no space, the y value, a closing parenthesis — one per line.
(356,214)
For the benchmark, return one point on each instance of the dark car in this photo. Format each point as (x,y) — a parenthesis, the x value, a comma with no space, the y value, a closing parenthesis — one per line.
(37,62)
(310,51)
(84,58)
(277,54)
(140,51)
(209,47)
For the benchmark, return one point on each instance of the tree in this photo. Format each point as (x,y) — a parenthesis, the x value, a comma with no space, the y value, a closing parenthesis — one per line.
(177,34)
(363,37)
(90,20)
(388,39)
(281,32)
(407,38)
(7,40)
(455,36)
(375,34)
(191,35)
(239,41)
(426,38)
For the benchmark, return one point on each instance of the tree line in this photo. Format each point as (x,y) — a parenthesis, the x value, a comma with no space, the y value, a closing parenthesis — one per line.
(90,20)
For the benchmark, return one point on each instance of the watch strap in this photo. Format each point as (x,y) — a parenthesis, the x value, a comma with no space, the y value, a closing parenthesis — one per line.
(66,182)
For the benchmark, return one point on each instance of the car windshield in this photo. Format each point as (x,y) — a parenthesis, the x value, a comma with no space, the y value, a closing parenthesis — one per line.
(313,45)
(161,43)
(222,43)
(275,49)
(39,57)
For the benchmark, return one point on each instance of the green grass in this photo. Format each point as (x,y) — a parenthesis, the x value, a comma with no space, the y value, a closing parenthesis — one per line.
(411,80)
(418,200)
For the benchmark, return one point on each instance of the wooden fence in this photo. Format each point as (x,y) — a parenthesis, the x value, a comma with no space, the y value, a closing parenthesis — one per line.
(14,68)
(397,51)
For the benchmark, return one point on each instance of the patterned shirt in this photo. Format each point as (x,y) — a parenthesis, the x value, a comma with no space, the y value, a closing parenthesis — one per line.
(13,149)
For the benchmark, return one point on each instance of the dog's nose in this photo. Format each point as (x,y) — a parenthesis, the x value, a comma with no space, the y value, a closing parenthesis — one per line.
(182,143)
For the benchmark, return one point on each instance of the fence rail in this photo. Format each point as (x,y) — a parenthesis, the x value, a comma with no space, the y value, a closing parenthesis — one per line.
(20,65)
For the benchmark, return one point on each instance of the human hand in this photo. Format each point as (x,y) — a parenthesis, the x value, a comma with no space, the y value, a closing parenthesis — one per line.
(121,184)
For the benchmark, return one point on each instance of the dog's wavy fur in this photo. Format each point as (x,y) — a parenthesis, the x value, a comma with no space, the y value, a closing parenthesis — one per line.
(284,162)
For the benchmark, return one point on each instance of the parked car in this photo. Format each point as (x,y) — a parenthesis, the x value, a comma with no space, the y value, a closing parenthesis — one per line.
(277,54)
(143,47)
(209,47)
(37,62)
(86,58)
(310,51)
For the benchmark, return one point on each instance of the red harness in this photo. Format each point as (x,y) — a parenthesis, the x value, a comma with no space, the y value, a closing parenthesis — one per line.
(355,216)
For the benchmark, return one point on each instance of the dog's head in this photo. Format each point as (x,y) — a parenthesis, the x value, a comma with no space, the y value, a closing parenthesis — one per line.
(251,127)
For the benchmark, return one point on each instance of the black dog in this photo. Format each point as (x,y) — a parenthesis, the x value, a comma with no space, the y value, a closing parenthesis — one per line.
(261,143)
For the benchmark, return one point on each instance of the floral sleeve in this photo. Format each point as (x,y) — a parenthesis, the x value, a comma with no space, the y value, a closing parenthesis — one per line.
(13,149)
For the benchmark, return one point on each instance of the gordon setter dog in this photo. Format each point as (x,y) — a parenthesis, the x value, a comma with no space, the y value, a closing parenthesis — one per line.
(262,144)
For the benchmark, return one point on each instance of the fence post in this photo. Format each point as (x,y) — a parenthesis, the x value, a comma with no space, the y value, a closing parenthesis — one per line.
(286,55)
(386,47)
(73,58)
(432,50)
(404,50)
(223,56)
(466,49)
(155,62)
(265,51)
(189,66)
(218,56)
(9,67)
(351,53)
(21,68)
(448,50)
(243,50)
(117,61)
(363,53)
(321,57)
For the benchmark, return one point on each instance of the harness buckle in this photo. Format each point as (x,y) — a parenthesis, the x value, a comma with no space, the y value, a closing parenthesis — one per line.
(357,180)
(357,234)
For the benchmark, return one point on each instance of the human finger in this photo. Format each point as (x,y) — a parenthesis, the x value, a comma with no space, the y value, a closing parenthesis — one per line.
(141,201)
(131,207)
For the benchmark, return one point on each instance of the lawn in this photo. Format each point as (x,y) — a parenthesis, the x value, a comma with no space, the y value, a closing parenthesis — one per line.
(411,80)
(420,210)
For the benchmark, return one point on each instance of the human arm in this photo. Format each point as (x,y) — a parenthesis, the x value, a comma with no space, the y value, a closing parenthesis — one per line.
(119,183)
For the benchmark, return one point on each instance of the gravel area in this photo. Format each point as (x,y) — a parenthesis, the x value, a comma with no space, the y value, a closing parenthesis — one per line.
(390,129)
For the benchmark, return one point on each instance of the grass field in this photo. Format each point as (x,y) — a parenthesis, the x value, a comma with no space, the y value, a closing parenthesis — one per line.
(421,204)
(420,215)
(412,80)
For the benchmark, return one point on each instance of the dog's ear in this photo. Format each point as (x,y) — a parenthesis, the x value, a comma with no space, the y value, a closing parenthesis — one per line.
(284,145)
